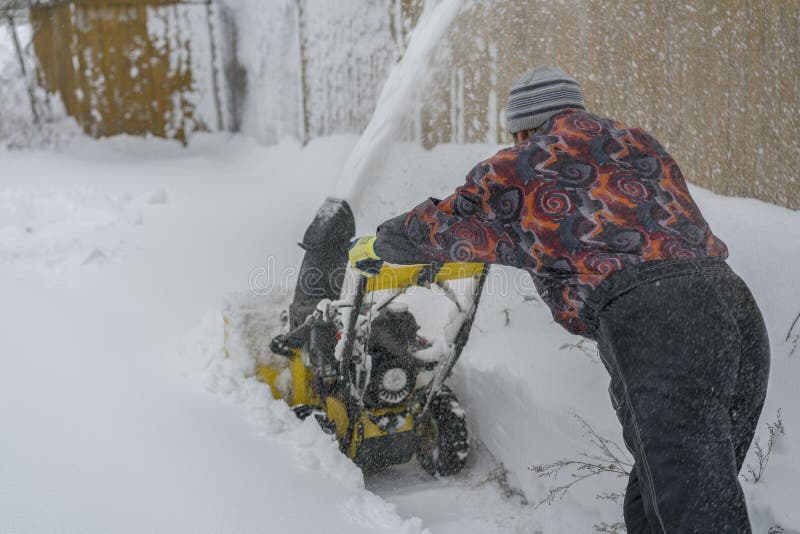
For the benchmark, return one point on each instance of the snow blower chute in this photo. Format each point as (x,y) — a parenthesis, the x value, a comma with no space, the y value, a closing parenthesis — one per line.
(356,360)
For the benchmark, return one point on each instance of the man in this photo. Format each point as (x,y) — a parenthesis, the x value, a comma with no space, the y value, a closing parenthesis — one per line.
(600,216)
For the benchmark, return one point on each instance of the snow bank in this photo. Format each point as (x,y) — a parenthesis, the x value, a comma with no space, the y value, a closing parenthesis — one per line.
(107,420)
(122,412)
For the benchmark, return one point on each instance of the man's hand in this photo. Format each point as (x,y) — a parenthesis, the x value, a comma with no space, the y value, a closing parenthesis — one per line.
(363,257)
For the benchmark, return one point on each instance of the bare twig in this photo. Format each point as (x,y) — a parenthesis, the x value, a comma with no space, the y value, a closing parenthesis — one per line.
(607,457)
(756,472)
(611,496)
(796,339)
(589,348)
(499,476)
(610,528)
(794,323)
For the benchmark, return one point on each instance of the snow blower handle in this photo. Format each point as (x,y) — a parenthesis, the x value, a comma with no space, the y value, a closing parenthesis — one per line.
(363,258)
(427,275)
(445,367)
(281,344)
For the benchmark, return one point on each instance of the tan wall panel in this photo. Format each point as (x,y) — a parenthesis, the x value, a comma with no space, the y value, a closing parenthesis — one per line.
(717,81)
(116,72)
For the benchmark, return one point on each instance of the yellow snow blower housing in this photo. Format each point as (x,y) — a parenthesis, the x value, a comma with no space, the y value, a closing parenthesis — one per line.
(360,368)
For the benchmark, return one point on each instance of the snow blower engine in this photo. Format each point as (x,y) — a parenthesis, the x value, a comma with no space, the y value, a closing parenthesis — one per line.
(354,359)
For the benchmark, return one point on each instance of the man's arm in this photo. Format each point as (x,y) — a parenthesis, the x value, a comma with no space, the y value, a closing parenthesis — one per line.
(461,227)
(392,244)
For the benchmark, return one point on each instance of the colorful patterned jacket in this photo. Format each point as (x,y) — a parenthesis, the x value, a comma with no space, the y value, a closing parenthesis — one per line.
(580,199)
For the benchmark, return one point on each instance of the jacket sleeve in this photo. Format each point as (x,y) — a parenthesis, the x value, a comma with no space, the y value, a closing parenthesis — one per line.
(459,228)
(394,246)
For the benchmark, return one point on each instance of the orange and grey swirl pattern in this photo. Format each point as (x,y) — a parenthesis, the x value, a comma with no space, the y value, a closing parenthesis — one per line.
(580,199)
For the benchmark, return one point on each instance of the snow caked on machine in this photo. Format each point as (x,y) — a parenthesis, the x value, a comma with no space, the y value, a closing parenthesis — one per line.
(353,358)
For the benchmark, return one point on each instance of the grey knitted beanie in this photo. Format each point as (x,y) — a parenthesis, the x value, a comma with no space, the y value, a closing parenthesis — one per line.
(539,94)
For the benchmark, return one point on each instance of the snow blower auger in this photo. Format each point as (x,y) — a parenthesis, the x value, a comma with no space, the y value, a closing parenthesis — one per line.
(357,363)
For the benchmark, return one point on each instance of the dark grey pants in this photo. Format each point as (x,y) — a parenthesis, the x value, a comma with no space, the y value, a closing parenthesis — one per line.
(687,350)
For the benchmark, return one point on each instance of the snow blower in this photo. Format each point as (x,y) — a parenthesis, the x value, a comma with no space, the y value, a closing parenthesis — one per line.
(353,358)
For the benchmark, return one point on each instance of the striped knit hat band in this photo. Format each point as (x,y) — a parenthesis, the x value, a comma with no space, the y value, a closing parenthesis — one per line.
(539,94)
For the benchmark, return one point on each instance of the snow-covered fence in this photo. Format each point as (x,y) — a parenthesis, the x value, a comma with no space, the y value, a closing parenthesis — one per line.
(132,66)
(348,49)
(717,81)
(270,68)
(21,109)
(311,67)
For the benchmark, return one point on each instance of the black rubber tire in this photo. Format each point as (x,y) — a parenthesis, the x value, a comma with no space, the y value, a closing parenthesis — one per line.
(443,437)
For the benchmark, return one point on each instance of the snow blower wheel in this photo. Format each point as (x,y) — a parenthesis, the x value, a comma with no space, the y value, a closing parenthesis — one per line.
(443,440)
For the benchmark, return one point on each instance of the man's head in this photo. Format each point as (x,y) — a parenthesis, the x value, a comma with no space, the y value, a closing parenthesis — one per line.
(537,95)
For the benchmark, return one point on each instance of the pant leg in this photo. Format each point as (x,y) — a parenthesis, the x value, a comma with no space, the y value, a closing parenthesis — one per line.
(673,351)
(633,507)
(753,373)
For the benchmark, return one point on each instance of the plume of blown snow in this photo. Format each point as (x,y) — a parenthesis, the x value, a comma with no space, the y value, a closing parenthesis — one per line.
(397,95)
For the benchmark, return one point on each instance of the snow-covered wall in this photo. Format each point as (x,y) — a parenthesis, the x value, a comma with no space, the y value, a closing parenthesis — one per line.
(15,104)
(718,82)
(261,53)
(310,68)
(140,67)
(348,49)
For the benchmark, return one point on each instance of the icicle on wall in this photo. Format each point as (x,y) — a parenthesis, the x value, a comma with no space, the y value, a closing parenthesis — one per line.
(260,53)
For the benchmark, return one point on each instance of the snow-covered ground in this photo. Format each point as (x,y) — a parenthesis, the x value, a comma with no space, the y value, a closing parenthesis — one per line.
(120,412)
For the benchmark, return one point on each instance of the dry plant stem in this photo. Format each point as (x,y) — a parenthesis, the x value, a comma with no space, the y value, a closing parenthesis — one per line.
(610,528)
(794,323)
(608,458)
(796,340)
(584,345)
(756,472)
(499,476)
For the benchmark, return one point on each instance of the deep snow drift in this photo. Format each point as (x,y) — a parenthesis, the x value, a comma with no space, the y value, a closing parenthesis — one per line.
(121,412)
